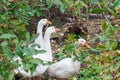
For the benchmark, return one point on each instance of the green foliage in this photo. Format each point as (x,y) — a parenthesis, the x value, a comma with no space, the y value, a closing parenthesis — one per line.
(105,6)
(16,15)
(107,37)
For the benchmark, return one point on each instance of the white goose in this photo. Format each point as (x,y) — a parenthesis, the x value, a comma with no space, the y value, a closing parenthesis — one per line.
(38,40)
(46,57)
(65,68)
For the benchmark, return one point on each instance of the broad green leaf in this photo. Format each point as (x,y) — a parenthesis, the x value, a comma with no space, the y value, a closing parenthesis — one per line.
(14,63)
(98,10)
(19,51)
(111,31)
(105,2)
(59,2)
(30,13)
(27,36)
(94,1)
(101,47)
(83,4)
(11,75)
(27,51)
(104,26)
(16,41)
(102,38)
(62,9)
(110,10)
(8,52)
(58,55)
(4,43)
(41,51)
(49,3)
(115,3)
(38,13)
(62,5)
(114,45)
(36,61)
(7,36)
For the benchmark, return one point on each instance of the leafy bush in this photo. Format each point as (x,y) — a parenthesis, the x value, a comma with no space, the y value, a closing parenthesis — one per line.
(15,17)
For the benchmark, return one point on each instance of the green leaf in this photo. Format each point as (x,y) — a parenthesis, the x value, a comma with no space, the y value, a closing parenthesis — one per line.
(4,44)
(97,10)
(41,51)
(105,2)
(14,63)
(102,38)
(115,3)
(35,61)
(58,55)
(83,4)
(27,36)
(95,1)
(8,52)
(7,36)
(114,45)
(49,3)
(30,13)
(62,5)
(110,10)
(104,26)
(11,75)
(101,47)
(38,13)
(19,51)
(62,9)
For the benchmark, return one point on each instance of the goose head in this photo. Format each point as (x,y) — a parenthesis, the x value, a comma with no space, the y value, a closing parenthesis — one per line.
(44,22)
(83,42)
(52,29)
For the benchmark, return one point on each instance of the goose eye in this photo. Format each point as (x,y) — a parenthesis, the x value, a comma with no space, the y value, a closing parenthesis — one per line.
(82,41)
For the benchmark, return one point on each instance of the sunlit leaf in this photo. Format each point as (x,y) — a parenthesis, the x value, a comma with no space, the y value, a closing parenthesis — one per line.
(105,2)
(7,36)
(4,43)
(36,61)
(94,1)
(115,3)
(19,51)
(97,10)
(102,38)
(104,26)
(27,36)
(49,3)
(30,13)
(83,4)
(114,45)
(8,52)
(11,75)
(62,5)
(41,51)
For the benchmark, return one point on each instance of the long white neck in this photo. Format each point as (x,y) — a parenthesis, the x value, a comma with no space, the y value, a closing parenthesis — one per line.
(47,45)
(39,39)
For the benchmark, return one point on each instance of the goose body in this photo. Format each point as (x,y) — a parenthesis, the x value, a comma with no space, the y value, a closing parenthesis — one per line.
(64,68)
(46,57)
(38,40)
(67,67)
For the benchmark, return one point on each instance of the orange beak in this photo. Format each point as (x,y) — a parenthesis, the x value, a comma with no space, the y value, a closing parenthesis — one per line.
(86,45)
(48,22)
(56,29)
